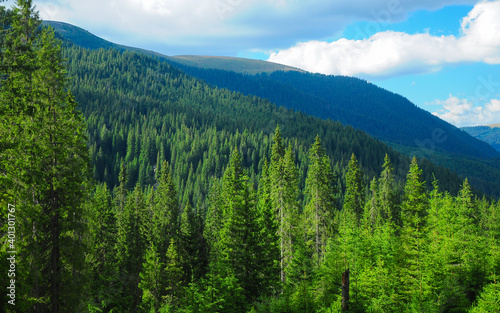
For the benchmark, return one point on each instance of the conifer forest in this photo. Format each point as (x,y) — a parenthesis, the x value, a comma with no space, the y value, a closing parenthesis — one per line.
(127,185)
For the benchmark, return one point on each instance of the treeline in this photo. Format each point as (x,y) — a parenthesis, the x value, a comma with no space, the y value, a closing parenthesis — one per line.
(352,101)
(265,250)
(200,203)
(141,111)
(380,113)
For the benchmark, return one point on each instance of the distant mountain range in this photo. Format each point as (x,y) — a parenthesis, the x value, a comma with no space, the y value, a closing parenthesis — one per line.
(384,115)
(488,133)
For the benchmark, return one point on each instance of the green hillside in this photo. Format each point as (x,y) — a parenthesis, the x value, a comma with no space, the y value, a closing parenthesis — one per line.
(141,109)
(127,185)
(489,134)
(382,114)
(239,65)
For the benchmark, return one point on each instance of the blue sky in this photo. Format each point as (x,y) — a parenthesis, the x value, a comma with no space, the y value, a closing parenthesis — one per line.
(443,55)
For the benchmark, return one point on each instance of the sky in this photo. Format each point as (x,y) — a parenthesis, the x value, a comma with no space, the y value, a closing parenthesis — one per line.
(443,55)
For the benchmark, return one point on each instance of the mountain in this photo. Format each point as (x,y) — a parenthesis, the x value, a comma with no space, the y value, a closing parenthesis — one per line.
(87,40)
(386,116)
(489,134)
(238,65)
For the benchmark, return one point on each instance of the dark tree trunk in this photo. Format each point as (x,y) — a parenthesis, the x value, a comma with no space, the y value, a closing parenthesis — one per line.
(345,290)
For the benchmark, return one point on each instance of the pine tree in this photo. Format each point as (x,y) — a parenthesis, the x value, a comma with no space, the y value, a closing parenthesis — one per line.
(283,176)
(152,274)
(386,195)
(320,199)
(44,163)
(238,234)
(101,242)
(355,194)
(165,215)
(193,245)
(131,245)
(413,216)
(472,248)
(269,250)
(174,273)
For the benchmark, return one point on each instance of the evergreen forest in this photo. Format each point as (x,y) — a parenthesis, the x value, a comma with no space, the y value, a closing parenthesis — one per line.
(127,185)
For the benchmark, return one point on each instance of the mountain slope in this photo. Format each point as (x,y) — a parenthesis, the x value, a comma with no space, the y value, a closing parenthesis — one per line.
(141,110)
(385,115)
(87,40)
(489,134)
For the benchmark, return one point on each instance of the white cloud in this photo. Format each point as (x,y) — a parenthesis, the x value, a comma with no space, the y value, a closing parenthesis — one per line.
(464,112)
(392,53)
(225,26)
(493,106)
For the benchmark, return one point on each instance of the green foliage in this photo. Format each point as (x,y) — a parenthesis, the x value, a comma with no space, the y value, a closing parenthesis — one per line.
(355,193)
(320,200)
(43,164)
(489,300)
(413,218)
(189,216)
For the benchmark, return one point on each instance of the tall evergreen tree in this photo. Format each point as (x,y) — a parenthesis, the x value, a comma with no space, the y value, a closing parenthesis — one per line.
(239,232)
(284,192)
(101,255)
(131,245)
(44,162)
(268,239)
(320,199)
(413,216)
(386,193)
(165,215)
(355,193)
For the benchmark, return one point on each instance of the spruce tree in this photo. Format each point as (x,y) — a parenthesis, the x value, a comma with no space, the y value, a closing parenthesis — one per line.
(355,193)
(268,240)
(239,232)
(131,245)
(44,163)
(412,235)
(320,199)
(284,192)
(386,193)
(101,256)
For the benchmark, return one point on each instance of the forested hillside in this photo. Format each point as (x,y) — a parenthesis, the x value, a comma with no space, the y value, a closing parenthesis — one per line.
(382,114)
(206,200)
(385,115)
(489,134)
(141,111)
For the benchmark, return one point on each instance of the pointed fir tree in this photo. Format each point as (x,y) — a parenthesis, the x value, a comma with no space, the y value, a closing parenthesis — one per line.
(238,234)
(386,194)
(44,163)
(165,215)
(412,235)
(355,193)
(268,239)
(131,245)
(101,257)
(320,204)
(151,280)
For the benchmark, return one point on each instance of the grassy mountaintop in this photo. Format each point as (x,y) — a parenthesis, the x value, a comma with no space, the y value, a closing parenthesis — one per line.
(239,65)
(85,39)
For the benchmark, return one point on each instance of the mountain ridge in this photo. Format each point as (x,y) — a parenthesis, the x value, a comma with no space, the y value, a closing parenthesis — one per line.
(86,39)
(488,133)
(301,91)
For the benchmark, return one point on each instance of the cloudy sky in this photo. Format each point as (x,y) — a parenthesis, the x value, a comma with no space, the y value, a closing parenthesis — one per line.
(443,55)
